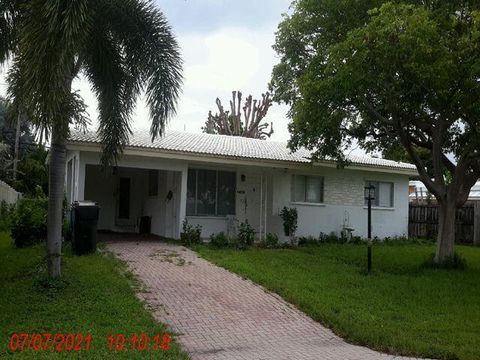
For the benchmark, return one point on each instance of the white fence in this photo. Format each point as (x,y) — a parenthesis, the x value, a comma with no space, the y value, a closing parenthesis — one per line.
(8,194)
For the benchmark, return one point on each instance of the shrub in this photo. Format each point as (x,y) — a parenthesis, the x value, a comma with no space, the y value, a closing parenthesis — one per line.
(357,240)
(190,234)
(67,230)
(246,234)
(270,241)
(6,214)
(219,240)
(29,222)
(289,217)
(331,238)
(237,243)
(307,240)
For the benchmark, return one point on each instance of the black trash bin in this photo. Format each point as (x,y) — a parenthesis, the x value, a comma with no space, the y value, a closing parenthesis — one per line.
(145,225)
(84,219)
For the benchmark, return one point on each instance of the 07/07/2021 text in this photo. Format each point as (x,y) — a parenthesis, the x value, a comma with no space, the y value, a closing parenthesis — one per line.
(80,342)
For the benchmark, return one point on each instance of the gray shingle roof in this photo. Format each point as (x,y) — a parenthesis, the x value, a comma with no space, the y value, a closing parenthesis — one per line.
(230,147)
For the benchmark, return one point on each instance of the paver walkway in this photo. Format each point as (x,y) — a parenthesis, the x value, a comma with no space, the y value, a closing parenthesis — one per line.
(218,315)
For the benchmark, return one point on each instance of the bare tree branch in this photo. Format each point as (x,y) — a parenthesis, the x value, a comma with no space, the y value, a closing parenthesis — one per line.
(230,123)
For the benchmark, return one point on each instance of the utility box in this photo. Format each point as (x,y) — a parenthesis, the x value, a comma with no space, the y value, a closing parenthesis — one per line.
(84,220)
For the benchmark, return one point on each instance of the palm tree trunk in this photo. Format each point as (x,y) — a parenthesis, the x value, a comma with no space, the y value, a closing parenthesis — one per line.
(446,232)
(55,204)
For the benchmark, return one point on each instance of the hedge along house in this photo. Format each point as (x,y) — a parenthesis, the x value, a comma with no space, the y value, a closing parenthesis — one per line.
(218,181)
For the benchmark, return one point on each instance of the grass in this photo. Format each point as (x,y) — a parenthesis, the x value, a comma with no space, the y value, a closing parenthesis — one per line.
(401,308)
(95,296)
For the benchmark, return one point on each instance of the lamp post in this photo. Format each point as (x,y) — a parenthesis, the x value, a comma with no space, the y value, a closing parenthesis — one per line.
(369,196)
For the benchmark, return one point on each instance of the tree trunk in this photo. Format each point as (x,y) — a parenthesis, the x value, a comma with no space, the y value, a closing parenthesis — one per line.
(55,204)
(446,232)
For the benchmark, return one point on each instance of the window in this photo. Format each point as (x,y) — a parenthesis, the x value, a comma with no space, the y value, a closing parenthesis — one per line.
(307,189)
(152,182)
(211,192)
(383,193)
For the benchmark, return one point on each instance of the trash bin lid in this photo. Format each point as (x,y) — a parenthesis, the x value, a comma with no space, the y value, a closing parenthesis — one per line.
(85,203)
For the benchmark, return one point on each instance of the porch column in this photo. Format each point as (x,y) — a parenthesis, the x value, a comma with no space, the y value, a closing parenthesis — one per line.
(183,200)
(80,179)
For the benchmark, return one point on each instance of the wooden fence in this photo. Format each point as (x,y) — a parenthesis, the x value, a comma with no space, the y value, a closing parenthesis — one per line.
(8,194)
(423,222)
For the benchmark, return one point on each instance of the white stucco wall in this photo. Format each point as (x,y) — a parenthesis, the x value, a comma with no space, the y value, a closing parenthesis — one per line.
(343,196)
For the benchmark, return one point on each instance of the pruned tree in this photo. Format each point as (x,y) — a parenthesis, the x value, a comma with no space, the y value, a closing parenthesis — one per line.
(231,122)
(388,74)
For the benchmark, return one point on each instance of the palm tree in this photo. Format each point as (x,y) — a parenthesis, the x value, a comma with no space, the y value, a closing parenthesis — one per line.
(123,47)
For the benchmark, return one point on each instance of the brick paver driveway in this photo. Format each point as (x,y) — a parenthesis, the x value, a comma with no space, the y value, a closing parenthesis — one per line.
(218,315)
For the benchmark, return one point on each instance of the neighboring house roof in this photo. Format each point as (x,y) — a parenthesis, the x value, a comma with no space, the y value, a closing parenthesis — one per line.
(229,147)
(422,191)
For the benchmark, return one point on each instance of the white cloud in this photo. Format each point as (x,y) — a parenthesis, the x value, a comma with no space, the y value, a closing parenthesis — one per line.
(228,61)
(220,62)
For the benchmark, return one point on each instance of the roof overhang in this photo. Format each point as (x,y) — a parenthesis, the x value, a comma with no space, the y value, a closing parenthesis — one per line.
(222,159)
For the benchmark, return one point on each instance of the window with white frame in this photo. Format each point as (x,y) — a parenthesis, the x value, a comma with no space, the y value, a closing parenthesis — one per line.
(307,189)
(211,192)
(383,193)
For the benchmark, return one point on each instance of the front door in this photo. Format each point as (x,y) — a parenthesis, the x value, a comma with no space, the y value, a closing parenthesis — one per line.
(123,202)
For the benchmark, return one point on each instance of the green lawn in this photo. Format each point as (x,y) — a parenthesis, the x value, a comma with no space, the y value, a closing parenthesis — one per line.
(401,308)
(95,297)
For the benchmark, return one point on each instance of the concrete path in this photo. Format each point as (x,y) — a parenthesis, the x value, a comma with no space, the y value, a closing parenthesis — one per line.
(218,315)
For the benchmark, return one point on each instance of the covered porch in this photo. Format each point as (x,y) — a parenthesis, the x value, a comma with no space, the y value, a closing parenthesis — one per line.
(136,190)
(217,196)
(127,195)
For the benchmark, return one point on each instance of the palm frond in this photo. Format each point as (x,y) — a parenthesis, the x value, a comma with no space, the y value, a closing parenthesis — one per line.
(10,17)
(151,55)
(125,47)
(51,34)
(103,66)
(78,114)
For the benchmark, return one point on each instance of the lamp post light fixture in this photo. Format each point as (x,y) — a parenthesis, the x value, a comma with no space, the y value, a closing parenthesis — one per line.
(369,196)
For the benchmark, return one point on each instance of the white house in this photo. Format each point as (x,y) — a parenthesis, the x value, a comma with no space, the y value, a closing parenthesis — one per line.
(218,181)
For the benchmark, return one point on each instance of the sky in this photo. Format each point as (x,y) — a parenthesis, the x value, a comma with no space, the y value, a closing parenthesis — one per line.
(226,45)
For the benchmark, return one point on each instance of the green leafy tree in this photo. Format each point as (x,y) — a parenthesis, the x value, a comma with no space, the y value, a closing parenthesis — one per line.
(122,47)
(31,160)
(397,152)
(383,74)
(33,172)
(17,138)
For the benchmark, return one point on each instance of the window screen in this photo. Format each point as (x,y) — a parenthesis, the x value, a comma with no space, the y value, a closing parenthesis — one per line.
(307,189)
(211,192)
(383,193)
